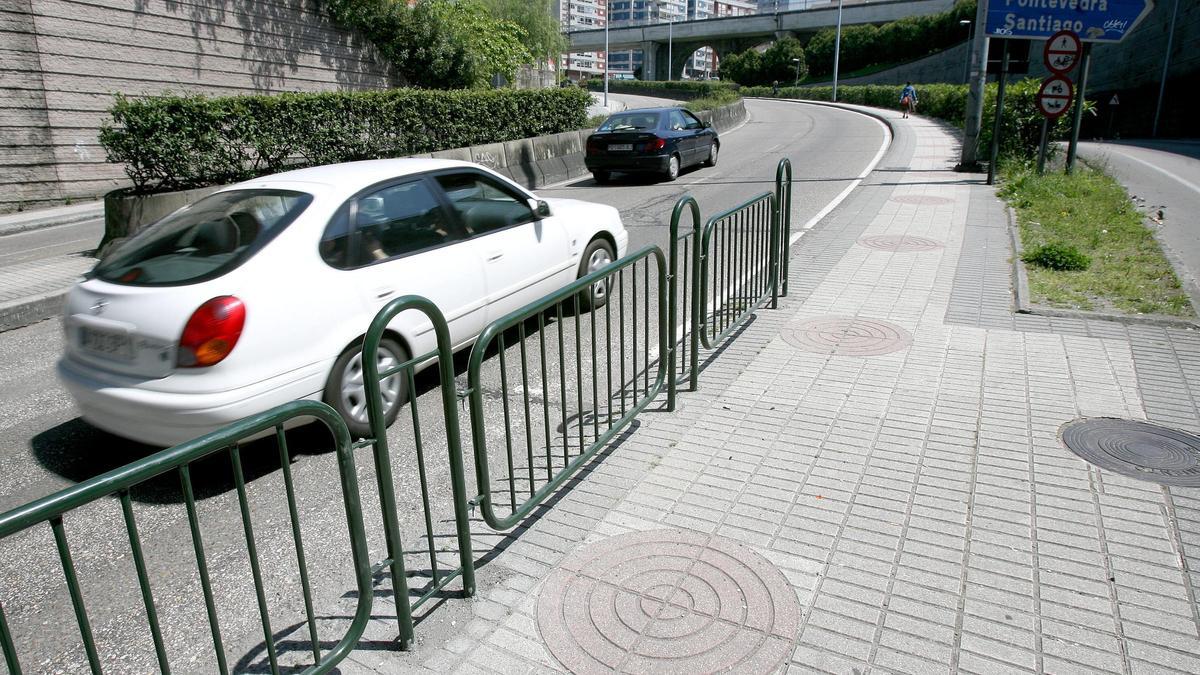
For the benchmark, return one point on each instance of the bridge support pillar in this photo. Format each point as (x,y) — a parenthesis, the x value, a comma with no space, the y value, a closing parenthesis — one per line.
(651,62)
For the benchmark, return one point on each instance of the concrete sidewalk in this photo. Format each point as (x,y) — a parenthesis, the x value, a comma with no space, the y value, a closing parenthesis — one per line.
(870,478)
(35,269)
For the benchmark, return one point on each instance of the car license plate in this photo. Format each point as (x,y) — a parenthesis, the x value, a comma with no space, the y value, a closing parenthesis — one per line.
(620,147)
(106,343)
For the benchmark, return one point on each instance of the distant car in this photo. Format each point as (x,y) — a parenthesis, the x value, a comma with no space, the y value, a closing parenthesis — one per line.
(261,293)
(622,76)
(650,140)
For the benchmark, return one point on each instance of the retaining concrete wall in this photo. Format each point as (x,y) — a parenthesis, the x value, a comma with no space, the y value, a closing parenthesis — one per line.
(61,60)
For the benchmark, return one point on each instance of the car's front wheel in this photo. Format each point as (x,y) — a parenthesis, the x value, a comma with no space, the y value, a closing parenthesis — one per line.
(598,255)
(346,392)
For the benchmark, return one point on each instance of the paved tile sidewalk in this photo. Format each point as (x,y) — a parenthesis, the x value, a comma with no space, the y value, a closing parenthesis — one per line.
(919,502)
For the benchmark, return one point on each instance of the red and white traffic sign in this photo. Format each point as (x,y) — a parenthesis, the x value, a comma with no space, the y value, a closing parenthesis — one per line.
(1054,97)
(1062,52)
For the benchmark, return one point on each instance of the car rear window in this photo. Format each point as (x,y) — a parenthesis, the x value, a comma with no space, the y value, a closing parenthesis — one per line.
(204,240)
(631,121)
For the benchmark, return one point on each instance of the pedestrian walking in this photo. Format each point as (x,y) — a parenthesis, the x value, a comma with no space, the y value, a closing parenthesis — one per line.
(908,98)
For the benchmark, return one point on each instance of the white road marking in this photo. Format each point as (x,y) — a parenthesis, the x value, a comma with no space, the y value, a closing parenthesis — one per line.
(887,141)
(1181,180)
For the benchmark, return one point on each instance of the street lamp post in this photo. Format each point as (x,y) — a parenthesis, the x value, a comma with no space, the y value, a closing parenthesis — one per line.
(967,67)
(606,57)
(837,50)
(796,82)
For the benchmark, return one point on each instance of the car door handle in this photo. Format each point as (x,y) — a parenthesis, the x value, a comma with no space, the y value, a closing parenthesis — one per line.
(494,256)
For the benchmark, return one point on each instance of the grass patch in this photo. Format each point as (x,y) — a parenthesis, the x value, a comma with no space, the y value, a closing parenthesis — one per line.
(1092,213)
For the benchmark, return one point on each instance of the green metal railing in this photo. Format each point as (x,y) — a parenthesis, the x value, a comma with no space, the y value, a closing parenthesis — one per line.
(738,268)
(607,345)
(783,200)
(53,509)
(552,454)
(683,357)
(444,353)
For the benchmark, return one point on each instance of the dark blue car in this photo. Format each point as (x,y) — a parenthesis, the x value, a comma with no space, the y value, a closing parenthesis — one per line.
(650,140)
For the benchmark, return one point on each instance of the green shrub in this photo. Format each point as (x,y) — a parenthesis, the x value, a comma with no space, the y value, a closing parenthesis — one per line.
(680,89)
(176,142)
(1056,256)
(716,100)
(1020,127)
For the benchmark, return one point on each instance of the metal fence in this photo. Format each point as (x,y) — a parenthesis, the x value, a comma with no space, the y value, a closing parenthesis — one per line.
(738,267)
(589,390)
(54,511)
(570,372)
(372,378)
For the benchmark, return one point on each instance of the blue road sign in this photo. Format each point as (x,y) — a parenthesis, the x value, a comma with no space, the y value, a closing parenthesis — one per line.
(1092,20)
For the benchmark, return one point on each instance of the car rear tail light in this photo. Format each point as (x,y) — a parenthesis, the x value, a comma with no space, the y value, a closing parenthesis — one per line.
(656,145)
(593,147)
(212,332)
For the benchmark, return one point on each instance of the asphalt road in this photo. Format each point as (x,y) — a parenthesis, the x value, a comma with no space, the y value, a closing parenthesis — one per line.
(44,446)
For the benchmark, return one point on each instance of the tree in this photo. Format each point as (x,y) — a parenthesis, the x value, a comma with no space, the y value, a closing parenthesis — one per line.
(543,34)
(777,63)
(439,44)
(744,68)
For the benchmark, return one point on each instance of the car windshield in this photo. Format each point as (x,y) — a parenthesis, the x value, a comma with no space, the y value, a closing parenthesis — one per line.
(631,121)
(203,240)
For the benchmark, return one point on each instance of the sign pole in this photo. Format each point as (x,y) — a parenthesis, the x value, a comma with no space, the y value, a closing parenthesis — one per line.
(1041,165)
(1078,114)
(991,179)
(973,122)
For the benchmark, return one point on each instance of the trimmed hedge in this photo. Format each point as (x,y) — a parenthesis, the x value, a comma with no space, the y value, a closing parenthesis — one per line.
(679,89)
(1020,128)
(179,142)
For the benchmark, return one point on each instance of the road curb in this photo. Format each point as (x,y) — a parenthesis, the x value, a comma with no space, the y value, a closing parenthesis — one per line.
(31,310)
(18,223)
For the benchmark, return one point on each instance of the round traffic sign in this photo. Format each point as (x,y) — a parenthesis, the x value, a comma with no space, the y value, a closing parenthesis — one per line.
(1062,52)
(1055,95)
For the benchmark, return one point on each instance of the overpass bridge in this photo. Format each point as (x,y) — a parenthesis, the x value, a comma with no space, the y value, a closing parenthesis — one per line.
(734,34)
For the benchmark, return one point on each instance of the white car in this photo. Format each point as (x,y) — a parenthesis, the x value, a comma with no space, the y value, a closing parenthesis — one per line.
(261,293)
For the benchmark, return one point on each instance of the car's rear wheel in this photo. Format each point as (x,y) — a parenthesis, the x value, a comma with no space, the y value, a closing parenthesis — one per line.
(712,155)
(601,176)
(673,168)
(598,255)
(346,392)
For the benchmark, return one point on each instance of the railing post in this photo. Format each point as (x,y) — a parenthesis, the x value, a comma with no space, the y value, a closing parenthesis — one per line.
(383,464)
(698,262)
(783,197)
(773,255)
(673,294)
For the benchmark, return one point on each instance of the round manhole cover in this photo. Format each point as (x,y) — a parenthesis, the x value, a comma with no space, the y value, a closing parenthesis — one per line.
(1136,449)
(668,600)
(847,336)
(922,200)
(900,243)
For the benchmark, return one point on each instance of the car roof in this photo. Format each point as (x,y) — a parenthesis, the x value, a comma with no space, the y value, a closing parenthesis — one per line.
(362,173)
(634,111)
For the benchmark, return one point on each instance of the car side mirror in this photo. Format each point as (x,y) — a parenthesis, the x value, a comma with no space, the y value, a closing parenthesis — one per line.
(541,208)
